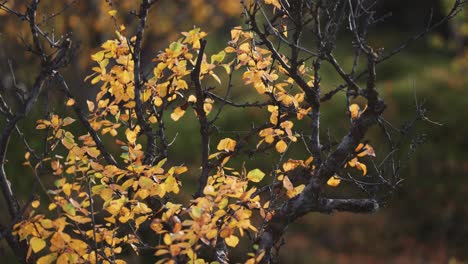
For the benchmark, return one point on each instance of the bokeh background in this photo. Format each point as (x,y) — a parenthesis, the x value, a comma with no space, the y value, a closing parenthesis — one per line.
(424,222)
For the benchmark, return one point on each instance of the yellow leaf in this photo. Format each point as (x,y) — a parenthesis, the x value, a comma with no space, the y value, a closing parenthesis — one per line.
(354,111)
(281,146)
(156,226)
(103,103)
(353,162)
(107,193)
(152,119)
(297,190)
(35,204)
(96,79)
(146,95)
(232,241)
(132,134)
(55,121)
(192,99)
(218,57)
(209,190)
(98,56)
(37,244)
(46,223)
(167,239)
(180,170)
(172,185)
(177,114)
(157,101)
(52,206)
(67,189)
(145,183)
(333,181)
(255,175)
(227,144)
(112,12)
(93,152)
(47,259)
(212,234)
(78,245)
(62,259)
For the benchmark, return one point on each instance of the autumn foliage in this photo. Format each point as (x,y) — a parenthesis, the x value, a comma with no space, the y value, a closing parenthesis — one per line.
(103,204)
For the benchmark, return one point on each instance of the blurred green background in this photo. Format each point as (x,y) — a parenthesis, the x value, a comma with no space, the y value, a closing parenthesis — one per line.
(425,222)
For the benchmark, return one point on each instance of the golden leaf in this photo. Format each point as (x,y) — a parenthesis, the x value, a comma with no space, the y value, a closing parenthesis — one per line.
(132,134)
(192,99)
(47,259)
(333,181)
(52,206)
(177,114)
(152,119)
(93,152)
(219,57)
(227,145)
(232,241)
(157,226)
(212,234)
(281,146)
(35,204)
(67,189)
(167,239)
(180,169)
(112,12)
(209,190)
(157,101)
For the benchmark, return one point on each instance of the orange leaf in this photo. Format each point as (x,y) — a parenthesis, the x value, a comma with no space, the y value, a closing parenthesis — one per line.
(281,146)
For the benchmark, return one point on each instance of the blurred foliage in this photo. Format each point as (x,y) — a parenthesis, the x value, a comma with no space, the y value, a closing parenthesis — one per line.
(426,220)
